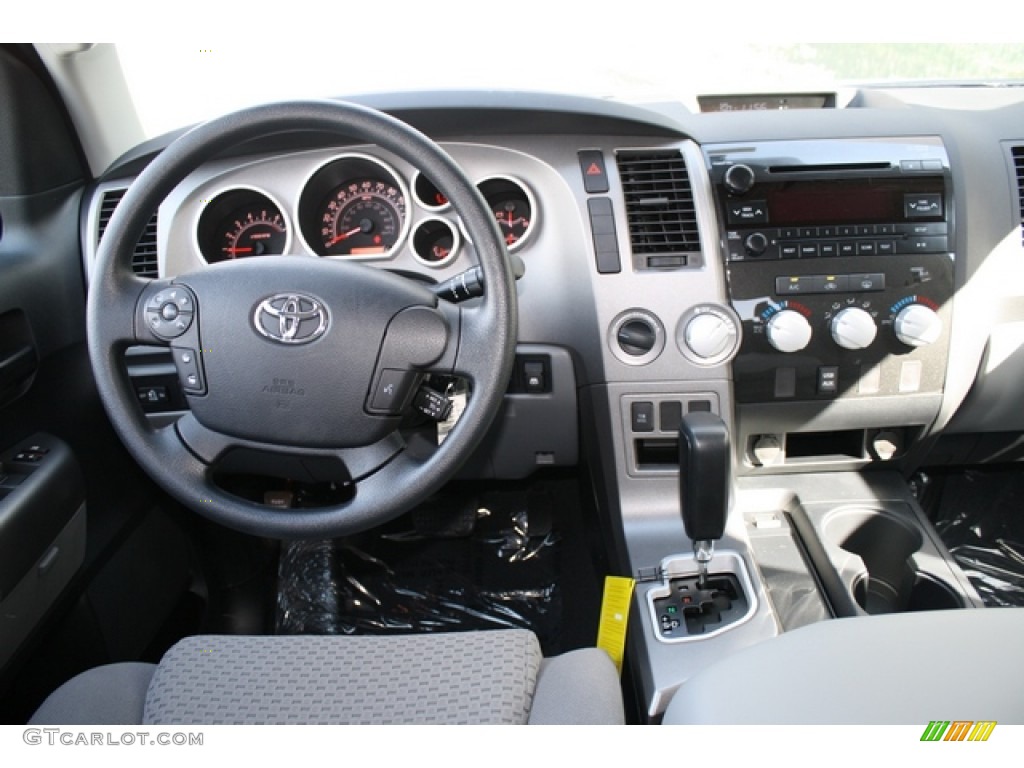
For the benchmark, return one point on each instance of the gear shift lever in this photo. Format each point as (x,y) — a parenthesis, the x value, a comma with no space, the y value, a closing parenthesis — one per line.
(704,479)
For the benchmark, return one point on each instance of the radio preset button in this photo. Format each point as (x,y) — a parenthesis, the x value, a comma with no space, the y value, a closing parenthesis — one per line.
(922,245)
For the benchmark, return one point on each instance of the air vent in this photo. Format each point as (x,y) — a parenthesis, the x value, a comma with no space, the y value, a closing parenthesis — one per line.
(659,206)
(1018,164)
(144,260)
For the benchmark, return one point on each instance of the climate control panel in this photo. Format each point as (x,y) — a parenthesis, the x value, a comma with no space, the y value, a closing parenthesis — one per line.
(888,338)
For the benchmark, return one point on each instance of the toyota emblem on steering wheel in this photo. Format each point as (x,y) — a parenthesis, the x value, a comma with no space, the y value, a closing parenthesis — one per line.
(291,318)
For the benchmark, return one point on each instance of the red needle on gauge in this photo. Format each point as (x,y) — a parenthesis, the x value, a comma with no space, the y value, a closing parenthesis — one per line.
(345,235)
(234,251)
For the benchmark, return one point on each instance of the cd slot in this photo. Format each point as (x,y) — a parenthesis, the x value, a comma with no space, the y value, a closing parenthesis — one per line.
(829,167)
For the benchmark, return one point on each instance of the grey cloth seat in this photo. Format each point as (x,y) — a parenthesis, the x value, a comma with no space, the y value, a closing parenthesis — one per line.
(493,677)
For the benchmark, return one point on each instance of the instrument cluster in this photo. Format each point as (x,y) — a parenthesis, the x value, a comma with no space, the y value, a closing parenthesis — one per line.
(355,206)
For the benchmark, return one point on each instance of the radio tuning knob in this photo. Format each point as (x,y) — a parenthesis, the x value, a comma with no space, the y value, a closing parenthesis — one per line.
(756,243)
(739,179)
(789,331)
(917,325)
(853,328)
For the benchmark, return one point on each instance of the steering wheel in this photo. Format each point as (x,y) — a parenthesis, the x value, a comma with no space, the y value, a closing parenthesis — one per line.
(299,364)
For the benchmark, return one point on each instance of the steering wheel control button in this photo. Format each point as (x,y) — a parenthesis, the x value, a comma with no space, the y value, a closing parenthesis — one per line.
(291,318)
(189,371)
(432,404)
(169,313)
(390,392)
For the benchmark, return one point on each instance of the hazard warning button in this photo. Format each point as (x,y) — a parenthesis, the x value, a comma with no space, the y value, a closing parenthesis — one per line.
(595,179)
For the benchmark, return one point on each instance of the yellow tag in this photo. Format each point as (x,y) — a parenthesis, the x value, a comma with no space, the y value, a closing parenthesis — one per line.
(611,634)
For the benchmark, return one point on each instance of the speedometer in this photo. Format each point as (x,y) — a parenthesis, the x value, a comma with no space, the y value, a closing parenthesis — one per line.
(354,206)
(362,218)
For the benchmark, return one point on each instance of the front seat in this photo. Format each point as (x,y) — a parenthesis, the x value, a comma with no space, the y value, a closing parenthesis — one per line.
(488,677)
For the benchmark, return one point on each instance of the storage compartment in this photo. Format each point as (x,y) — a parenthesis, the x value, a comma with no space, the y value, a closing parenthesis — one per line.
(657,453)
(841,444)
(42,533)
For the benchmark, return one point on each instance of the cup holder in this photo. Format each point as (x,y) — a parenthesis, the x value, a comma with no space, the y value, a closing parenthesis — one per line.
(889,582)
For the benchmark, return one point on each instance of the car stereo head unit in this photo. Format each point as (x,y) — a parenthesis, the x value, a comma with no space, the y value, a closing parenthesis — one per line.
(776,202)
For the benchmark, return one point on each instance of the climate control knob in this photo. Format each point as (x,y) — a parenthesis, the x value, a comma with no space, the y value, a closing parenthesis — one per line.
(853,328)
(789,331)
(709,335)
(917,325)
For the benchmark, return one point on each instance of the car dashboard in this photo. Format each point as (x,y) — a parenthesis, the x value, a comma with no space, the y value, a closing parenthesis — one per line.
(841,285)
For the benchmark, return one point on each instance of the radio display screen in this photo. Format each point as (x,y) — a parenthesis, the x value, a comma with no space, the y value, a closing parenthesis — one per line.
(844,201)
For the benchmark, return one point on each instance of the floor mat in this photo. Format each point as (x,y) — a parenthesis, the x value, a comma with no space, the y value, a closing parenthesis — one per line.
(980,518)
(470,559)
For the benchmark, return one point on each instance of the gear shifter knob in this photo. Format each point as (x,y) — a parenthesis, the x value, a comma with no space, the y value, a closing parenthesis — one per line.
(704,479)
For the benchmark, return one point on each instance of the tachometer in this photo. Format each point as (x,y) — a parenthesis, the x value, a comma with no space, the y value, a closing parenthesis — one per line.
(241,223)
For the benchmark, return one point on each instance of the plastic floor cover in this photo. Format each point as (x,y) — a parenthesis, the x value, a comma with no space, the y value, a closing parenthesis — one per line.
(464,561)
(980,518)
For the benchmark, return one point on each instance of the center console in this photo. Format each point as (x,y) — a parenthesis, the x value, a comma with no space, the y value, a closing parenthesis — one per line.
(839,262)
(827,276)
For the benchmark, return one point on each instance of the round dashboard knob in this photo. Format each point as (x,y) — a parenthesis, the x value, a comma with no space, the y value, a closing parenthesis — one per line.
(756,243)
(739,179)
(789,331)
(917,325)
(637,337)
(709,335)
(853,328)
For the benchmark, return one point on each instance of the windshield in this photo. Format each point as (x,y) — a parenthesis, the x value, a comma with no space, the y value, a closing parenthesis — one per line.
(177,84)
